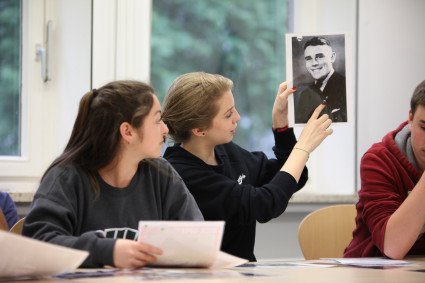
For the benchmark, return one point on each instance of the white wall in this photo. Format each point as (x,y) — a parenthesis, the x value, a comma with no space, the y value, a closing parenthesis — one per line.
(391,64)
(336,155)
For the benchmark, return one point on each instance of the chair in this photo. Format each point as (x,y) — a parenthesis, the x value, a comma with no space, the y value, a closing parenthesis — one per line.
(326,232)
(3,221)
(17,228)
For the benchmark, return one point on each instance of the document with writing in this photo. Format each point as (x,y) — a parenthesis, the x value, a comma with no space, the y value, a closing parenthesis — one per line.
(26,257)
(188,243)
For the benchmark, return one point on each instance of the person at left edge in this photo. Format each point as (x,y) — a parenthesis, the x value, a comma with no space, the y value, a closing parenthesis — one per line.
(110,177)
(7,205)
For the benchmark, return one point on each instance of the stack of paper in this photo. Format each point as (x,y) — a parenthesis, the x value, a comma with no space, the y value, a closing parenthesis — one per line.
(188,243)
(26,257)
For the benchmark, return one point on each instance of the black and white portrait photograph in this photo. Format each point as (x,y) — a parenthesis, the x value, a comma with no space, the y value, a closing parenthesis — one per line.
(319,75)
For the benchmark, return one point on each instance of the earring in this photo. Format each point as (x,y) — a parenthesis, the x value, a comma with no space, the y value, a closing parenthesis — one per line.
(203,134)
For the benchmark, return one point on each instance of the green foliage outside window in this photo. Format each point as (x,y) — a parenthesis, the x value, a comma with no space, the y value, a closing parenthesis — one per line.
(240,39)
(10,77)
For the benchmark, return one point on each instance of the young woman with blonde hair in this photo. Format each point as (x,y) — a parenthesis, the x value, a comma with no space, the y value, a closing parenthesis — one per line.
(228,182)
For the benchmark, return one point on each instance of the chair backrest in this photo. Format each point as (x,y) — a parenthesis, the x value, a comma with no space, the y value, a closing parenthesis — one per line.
(17,228)
(3,221)
(326,232)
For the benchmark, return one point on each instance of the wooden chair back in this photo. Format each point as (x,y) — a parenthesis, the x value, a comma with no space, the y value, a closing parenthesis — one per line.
(17,228)
(3,222)
(326,232)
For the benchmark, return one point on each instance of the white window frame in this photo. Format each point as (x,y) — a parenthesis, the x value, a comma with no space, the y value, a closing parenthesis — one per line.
(48,109)
(25,167)
(121,40)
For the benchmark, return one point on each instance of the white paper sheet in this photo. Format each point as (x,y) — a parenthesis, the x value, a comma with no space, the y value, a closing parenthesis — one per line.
(278,264)
(370,261)
(25,257)
(225,260)
(187,243)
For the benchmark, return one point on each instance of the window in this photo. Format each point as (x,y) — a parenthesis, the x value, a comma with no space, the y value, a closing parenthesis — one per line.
(40,113)
(242,40)
(10,81)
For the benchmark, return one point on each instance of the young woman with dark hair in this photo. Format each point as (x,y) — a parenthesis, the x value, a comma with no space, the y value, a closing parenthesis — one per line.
(110,177)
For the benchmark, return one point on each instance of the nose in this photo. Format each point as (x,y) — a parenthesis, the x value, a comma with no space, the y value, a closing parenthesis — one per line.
(314,62)
(164,128)
(237,116)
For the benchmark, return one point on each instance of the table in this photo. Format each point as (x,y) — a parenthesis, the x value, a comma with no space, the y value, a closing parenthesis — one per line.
(264,271)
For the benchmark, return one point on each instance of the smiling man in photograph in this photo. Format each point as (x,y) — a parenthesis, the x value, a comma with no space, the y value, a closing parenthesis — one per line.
(328,85)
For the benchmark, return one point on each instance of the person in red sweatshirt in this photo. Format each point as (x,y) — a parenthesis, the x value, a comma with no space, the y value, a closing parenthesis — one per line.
(391,208)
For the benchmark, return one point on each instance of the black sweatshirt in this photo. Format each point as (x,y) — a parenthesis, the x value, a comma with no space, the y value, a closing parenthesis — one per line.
(66,210)
(244,188)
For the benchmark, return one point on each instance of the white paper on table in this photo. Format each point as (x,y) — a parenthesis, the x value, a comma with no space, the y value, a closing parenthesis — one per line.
(25,257)
(187,243)
(370,261)
(224,260)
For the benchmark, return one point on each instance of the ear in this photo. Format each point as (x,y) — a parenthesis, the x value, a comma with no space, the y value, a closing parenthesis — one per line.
(126,131)
(333,57)
(410,118)
(198,132)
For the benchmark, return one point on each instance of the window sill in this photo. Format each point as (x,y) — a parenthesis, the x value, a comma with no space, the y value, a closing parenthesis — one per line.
(21,197)
(295,200)
(323,198)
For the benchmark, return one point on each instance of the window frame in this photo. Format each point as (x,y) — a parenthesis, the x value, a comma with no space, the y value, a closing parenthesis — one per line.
(25,165)
(121,40)
(48,109)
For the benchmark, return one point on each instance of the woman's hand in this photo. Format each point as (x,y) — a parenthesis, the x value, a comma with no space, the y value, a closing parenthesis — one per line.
(132,254)
(280,107)
(315,131)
